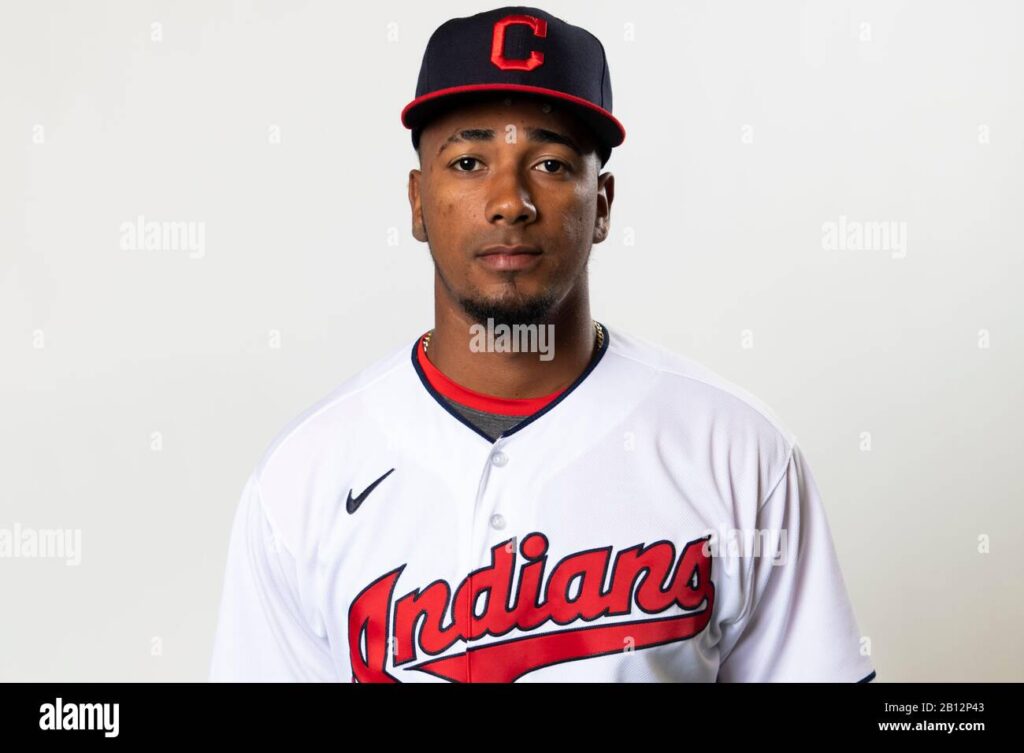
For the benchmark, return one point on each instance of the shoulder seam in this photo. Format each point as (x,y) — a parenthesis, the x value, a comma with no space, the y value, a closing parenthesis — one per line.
(324,403)
(782,475)
(772,420)
(750,606)
(280,544)
(787,436)
(265,514)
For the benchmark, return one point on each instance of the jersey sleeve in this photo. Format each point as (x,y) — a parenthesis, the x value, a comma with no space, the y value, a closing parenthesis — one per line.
(261,633)
(797,624)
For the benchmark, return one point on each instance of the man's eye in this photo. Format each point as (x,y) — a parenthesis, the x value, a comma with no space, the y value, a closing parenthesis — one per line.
(466,165)
(462,161)
(549,162)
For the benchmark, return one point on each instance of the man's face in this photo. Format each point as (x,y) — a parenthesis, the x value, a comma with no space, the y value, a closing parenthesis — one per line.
(509,171)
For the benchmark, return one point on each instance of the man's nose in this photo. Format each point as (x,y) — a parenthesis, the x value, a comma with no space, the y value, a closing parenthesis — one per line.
(510,199)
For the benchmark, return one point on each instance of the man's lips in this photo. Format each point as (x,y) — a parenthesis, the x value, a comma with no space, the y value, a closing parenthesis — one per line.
(505,258)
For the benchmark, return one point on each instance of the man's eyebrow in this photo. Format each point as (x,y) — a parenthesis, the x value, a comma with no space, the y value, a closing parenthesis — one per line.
(546,136)
(468,134)
(535,135)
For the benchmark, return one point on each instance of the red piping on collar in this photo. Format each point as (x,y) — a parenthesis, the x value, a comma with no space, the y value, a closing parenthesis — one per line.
(505,406)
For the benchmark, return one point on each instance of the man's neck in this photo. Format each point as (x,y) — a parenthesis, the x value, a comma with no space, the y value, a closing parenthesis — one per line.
(570,340)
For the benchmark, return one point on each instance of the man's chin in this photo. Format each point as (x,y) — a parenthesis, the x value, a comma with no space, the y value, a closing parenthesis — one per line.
(535,310)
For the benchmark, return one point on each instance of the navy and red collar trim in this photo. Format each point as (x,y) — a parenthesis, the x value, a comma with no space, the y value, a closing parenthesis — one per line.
(504,406)
(440,386)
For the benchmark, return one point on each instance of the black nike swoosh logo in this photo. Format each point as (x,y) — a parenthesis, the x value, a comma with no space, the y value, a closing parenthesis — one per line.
(353,504)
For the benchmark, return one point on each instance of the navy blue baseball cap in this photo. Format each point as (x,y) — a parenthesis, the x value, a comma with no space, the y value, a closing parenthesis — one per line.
(516,49)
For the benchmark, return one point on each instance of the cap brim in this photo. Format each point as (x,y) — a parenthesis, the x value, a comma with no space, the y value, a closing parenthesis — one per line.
(608,129)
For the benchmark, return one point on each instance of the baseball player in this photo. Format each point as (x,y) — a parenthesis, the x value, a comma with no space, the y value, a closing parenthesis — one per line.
(522,493)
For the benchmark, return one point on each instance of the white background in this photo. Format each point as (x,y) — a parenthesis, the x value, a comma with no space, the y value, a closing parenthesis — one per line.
(139,388)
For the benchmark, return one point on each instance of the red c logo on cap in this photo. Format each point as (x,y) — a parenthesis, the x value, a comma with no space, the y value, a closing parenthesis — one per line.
(540,29)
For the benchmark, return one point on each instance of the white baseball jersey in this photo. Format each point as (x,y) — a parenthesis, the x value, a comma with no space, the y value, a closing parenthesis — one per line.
(652,523)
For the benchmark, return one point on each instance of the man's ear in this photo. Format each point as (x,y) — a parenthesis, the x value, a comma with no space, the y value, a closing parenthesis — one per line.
(605,195)
(419,228)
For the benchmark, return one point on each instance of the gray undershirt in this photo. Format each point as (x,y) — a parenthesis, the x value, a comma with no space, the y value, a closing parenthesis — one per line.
(491,424)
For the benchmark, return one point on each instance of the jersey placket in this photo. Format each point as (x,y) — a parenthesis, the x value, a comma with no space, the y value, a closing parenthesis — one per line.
(485,521)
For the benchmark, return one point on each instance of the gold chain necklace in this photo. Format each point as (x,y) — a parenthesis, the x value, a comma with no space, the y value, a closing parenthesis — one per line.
(598,329)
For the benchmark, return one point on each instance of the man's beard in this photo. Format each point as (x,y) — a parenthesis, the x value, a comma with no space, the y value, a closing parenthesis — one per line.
(509,311)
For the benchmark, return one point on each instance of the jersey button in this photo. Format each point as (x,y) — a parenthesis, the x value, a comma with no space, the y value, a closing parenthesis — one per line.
(498,521)
(499,458)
